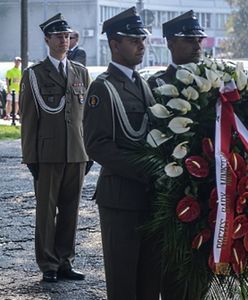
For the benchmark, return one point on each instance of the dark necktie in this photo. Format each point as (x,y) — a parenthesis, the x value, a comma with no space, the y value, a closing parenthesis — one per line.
(137,79)
(69,53)
(61,71)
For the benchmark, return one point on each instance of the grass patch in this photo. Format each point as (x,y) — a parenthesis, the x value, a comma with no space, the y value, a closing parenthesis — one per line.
(10,132)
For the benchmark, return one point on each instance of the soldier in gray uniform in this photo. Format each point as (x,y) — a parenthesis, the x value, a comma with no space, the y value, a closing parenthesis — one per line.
(51,107)
(115,117)
(184,36)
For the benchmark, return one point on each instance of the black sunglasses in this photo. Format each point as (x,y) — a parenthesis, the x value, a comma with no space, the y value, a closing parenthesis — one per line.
(72,37)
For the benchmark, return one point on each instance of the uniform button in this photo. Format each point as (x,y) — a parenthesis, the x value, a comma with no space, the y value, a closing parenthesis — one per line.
(68,111)
(67,91)
(68,121)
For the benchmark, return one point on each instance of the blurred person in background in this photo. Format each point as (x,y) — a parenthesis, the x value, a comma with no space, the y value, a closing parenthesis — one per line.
(75,52)
(13,79)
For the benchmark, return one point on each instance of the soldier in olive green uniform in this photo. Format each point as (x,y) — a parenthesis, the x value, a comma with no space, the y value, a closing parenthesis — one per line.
(184,36)
(51,106)
(116,115)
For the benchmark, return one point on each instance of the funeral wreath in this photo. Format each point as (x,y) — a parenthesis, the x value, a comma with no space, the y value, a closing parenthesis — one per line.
(197,151)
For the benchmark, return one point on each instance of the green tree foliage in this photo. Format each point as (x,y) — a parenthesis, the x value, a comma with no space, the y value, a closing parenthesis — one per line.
(237,28)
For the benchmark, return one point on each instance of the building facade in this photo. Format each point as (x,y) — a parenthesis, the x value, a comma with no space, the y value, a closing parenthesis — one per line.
(87,17)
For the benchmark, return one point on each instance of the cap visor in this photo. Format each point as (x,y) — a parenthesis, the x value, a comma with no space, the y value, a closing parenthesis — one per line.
(136,32)
(192,33)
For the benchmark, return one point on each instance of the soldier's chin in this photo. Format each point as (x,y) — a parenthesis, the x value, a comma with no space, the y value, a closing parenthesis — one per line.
(139,60)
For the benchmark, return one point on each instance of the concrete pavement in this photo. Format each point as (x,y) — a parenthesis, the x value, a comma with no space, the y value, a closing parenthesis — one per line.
(20,278)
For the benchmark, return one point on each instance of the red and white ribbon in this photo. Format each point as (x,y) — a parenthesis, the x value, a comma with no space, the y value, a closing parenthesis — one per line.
(226,180)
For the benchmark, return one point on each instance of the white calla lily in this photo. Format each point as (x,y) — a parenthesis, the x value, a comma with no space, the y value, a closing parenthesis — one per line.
(167,90)
(185,76)
(213,77)
(226,77)
(160,111)
(180,150)
(190,93)
(192,67)
(203,84)
(155,138)
(179,104)
(220,66)
(180,124)
(210,63)
(173,170)
(241,76)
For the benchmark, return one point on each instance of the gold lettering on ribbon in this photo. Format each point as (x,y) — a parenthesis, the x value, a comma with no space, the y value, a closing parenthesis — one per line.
(222,234)
(225,200)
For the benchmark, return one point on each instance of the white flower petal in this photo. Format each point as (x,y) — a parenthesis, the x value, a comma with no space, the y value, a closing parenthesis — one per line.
(167,90)
(180,124)
(179,104)
(213,77)
(220,65)
(185,76)
(173,170)
(155,138)
(211,64)
(203,84)
(190,93)
(192,67)
(241,79)
(226,77)
(160,111)
(180,150)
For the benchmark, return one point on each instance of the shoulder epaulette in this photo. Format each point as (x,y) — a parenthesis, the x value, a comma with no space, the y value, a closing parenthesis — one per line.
(103,76)
(159,73)
(77,63)
(34,65)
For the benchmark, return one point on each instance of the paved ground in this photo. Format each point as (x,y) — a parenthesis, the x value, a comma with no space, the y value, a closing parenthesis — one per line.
(20,278)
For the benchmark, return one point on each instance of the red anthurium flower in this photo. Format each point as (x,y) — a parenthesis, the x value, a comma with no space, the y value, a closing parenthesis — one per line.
(245,242)
(243,185)
(212,218)
(200,238)
(238,164)
(188,209)
(208,148)
(213,198)
(240,226)
(241,203)
(197,166)
(239,259)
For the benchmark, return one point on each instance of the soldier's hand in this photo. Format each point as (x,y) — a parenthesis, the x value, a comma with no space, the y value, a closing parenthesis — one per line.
(34,169)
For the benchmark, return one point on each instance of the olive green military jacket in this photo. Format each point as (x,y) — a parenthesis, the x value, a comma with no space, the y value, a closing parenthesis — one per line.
(122,184)
(49,134)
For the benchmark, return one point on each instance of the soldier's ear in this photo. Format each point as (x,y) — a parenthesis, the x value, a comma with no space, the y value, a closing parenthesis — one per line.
(114,45)
(170,43)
